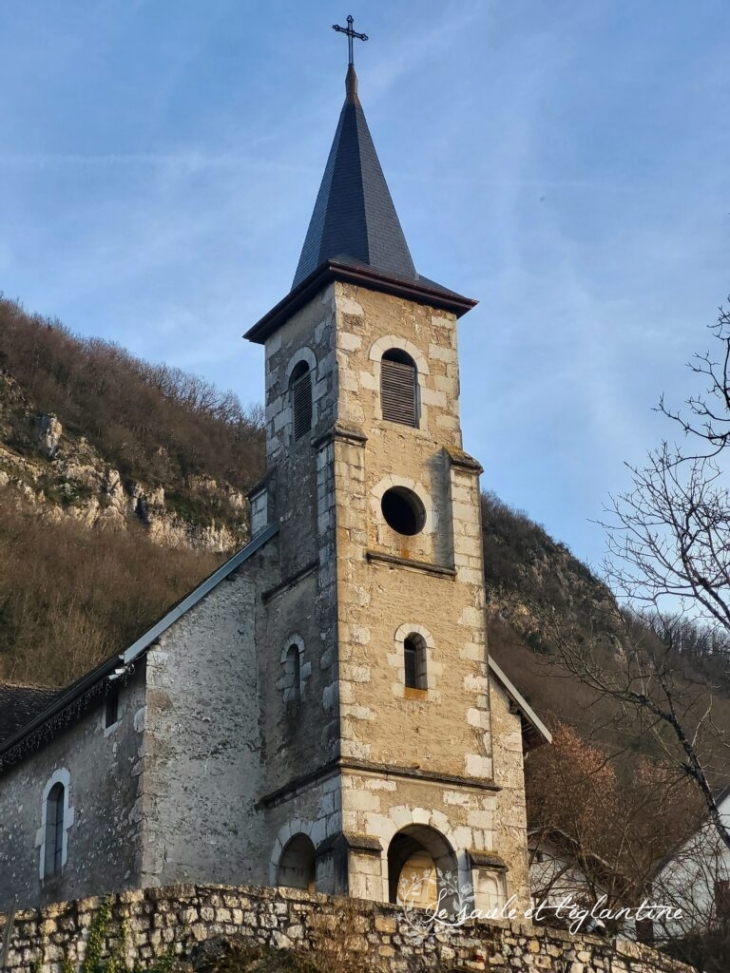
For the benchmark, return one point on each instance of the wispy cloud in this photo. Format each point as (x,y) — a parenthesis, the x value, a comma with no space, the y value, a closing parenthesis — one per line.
(187,162)
(566,164)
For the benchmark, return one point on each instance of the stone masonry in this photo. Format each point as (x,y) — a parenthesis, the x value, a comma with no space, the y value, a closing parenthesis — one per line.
(350,589)
(147,925)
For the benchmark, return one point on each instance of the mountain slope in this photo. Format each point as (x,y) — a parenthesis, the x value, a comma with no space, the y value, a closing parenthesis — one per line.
(536,590)
(71,596)
(95,435)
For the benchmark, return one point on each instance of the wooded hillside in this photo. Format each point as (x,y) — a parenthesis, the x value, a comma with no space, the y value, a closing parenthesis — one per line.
(154,423)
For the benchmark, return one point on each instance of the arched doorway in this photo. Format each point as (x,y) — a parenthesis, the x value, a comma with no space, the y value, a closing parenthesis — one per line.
(296,866)
(422,867)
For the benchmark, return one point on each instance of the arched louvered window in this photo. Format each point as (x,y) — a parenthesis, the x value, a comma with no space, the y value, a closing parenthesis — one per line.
(399,387)
(300,397)
(55,806)
(414,658)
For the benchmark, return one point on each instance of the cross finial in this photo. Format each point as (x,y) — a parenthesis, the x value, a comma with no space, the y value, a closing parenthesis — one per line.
(350,35)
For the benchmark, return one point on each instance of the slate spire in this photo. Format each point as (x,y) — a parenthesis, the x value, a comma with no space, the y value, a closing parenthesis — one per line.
(354,218)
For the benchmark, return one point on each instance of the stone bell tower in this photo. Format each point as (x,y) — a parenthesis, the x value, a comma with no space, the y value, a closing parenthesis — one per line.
(388,739)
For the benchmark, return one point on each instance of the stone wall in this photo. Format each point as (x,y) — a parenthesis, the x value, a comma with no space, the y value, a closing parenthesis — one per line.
(144,926)
(99,768)
(201,759)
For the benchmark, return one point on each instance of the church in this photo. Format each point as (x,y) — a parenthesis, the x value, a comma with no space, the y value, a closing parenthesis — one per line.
(321,712)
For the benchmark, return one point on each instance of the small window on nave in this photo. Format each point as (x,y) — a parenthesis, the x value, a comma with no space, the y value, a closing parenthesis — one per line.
(399,387)
(111,705)
(53,844)
(293,676)
(300,399)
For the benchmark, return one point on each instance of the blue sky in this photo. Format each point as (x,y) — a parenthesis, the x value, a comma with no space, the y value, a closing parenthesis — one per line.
(566,163)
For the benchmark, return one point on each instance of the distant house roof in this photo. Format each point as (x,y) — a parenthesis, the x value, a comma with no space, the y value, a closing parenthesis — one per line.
(570,849)
(32,726)
(563,843)
(721,797)
(19,704)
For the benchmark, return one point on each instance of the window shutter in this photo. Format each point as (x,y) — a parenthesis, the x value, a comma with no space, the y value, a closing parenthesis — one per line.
(398,392)
(301,403)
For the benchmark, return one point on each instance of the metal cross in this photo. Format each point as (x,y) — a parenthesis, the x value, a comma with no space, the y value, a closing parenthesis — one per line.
(350,34)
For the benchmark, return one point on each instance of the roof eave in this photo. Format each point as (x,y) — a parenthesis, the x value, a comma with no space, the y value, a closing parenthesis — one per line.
(65,699)
(537,733)
(364,276)
(677,846)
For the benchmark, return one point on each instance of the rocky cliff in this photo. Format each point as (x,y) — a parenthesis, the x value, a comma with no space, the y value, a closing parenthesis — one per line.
(91,434)
(62,475)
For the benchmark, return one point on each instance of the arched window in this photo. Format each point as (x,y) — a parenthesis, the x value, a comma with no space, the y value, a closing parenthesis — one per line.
(414,658)
(398,387)
(297,865)
(300,399)
(55,807)
(293,675)
(419,859)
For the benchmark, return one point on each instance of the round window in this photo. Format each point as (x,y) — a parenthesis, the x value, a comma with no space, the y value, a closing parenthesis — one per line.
(403,511)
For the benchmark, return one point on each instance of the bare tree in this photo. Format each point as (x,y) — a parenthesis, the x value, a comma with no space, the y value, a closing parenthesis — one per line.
(669,544)
(654,696)
(699,931)
(600,826)
(669,536)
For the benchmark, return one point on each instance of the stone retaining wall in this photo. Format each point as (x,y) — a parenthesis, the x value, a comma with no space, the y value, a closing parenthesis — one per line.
(146,925)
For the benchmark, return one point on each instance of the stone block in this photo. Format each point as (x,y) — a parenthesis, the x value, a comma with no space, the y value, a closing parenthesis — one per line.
(385,924)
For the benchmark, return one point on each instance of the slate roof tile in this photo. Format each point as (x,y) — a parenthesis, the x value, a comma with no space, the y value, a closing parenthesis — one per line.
(20,704)
(354,215)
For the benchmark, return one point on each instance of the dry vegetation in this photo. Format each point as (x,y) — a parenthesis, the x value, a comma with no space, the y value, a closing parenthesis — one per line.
(70,597)
(628,812)
(617,779)
(539,593)
(151,422)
